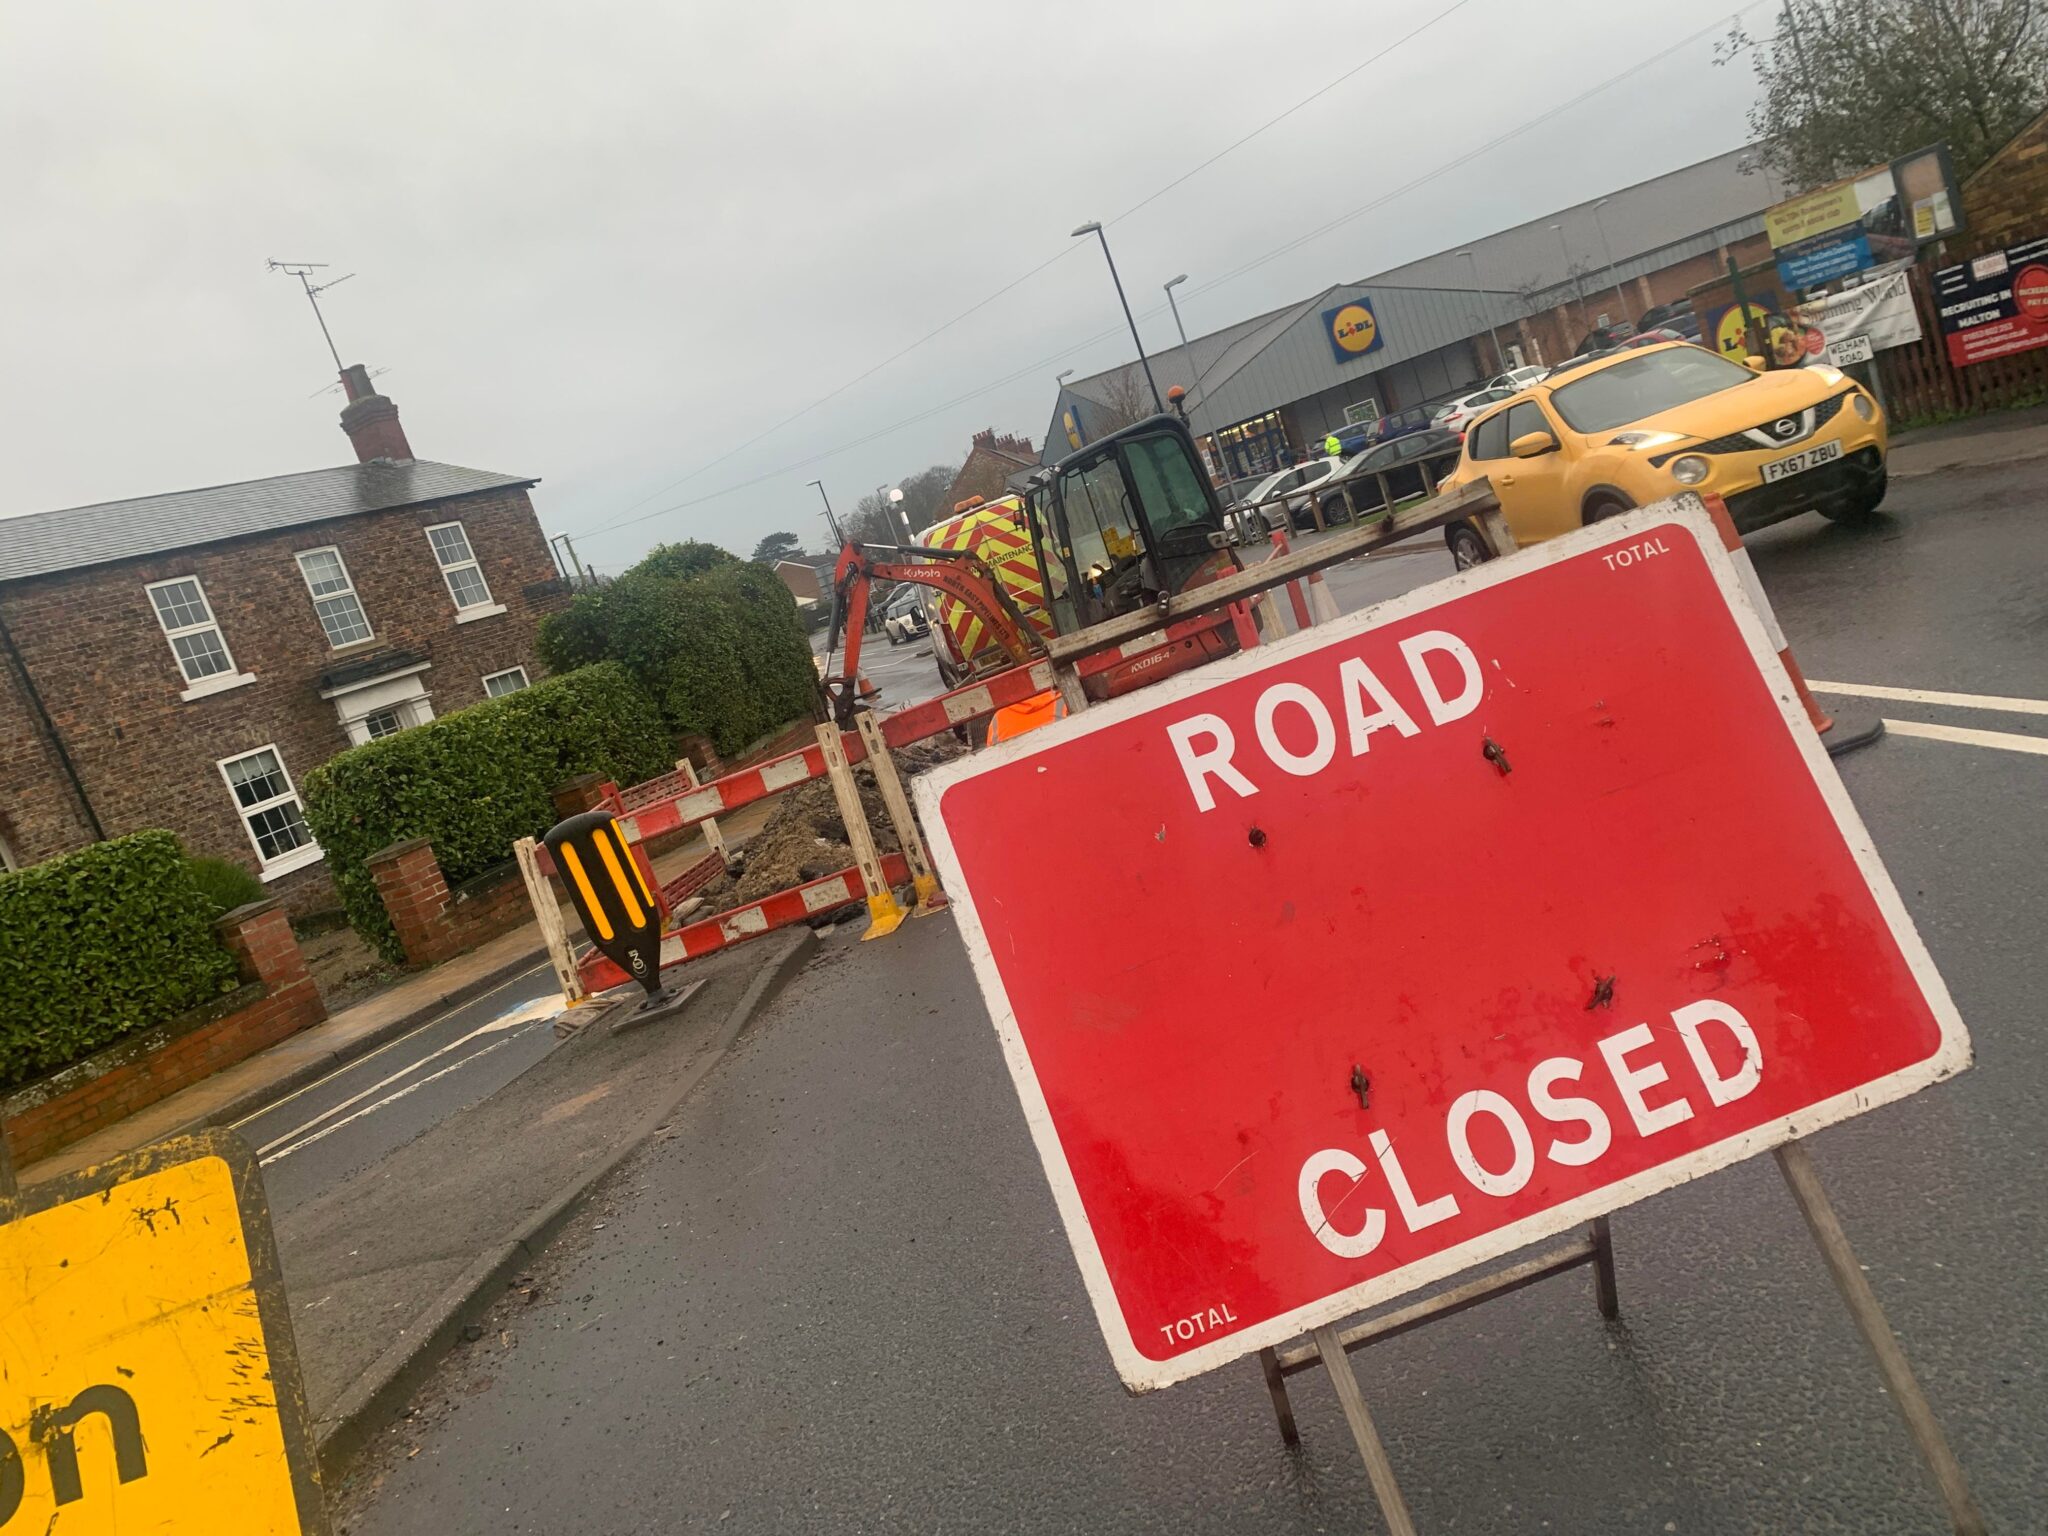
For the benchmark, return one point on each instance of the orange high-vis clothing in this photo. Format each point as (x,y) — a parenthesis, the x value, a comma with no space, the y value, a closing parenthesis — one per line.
(1026,715)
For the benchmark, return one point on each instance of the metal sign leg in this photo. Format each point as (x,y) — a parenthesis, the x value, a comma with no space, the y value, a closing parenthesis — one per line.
(1848,1276)
(1377,1467)
(1283,1410)
(1605,1296)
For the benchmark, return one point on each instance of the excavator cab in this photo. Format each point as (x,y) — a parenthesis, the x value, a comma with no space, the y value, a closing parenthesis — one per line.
(1125,523)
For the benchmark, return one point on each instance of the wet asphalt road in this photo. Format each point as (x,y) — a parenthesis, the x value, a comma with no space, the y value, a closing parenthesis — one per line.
(836,1298)
(320,1135)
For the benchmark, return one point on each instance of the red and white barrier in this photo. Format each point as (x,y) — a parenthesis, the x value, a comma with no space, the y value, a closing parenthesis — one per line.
(1834,736)
(675,802)
(708,935)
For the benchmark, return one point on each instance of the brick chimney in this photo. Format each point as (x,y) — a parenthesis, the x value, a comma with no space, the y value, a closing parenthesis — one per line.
(370,420)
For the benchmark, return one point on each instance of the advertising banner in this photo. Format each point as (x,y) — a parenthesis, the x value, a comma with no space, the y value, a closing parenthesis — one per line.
(1996,305)
(1860,321)
(1884,214)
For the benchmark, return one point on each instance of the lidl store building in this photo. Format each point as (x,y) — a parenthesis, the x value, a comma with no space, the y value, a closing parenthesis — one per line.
(1267,390)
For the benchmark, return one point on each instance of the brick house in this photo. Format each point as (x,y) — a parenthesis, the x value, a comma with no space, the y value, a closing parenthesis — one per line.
(991,461)
(805,582)
(182,660)
(2005,200)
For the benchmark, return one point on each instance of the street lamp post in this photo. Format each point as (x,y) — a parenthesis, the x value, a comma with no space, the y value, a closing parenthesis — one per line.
(831,522)
(1577,292)
(1500,356)
(1608,251)
(1188,354)
(1144,361)
(903,517)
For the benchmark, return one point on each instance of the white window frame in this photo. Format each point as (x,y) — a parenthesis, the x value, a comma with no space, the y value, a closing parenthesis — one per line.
(474,611)
(218,682)
(491,677)
(284,864)
(299,559)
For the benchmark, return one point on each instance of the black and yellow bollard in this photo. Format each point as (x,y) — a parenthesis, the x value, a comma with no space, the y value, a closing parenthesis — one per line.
(611,896)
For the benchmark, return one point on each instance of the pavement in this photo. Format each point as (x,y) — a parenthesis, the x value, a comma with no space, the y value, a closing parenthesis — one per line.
(386,1265)
(1977,442)
(835,1296)
(314,1137)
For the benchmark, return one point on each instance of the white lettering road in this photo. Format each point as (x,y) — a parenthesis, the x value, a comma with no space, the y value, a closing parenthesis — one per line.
(1297,731)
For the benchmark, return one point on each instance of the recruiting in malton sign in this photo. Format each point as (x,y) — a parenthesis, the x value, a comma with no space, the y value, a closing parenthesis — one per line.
(1996,305)
(1361,958)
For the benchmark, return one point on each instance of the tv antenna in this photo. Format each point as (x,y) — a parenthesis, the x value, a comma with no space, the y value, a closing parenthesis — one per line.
(303,271)
(328,389)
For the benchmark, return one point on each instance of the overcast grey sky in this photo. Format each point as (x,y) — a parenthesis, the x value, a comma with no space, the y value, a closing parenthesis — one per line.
(606,244)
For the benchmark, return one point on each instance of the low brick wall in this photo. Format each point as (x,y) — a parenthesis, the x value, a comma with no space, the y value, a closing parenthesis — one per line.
(435,923)
(276,1000)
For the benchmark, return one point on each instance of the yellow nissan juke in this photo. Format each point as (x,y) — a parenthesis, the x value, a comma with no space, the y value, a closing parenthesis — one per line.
(1626,430)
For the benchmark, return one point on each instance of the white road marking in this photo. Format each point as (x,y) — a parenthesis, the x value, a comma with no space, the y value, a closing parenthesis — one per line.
(283,1151)
(1988,701)
(389,1045)
(2004,741)
(517,1017)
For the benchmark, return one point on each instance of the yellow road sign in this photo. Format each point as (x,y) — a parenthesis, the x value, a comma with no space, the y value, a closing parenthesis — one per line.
(147,1378)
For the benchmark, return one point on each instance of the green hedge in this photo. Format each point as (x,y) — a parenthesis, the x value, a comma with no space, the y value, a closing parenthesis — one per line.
(98,944)
(475,781)
(718,644)
(224,883)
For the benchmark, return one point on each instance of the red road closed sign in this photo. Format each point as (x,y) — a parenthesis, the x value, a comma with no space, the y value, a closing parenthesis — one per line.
(1353,961)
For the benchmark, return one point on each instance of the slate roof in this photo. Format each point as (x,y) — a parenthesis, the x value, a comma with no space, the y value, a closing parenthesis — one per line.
(42,543)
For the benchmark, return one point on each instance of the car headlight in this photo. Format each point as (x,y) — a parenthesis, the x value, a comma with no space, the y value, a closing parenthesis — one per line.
(1690,469)
(1863,406)
(1641,440)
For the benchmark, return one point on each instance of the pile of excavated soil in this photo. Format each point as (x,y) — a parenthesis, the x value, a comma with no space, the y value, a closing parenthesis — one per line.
(806,840)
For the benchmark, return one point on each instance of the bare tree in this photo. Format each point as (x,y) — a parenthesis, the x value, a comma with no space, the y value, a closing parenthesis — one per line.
(1120,397)
(875,519)
(1845,84)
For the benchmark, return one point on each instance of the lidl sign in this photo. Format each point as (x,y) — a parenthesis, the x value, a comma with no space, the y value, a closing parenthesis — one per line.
(1353,329)
(147,1379)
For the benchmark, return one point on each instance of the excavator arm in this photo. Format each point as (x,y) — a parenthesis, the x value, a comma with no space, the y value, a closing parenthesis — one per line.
(957,573)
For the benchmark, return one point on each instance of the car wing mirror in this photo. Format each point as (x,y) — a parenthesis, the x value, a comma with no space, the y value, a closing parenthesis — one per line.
(1756,364)
(1531,445)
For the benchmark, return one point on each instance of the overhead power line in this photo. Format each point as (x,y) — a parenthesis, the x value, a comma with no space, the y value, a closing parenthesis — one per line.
(1473,154)
(1233,274)
(1059,255)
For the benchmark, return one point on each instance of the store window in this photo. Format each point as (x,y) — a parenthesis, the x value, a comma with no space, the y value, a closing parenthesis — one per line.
(1254,448)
